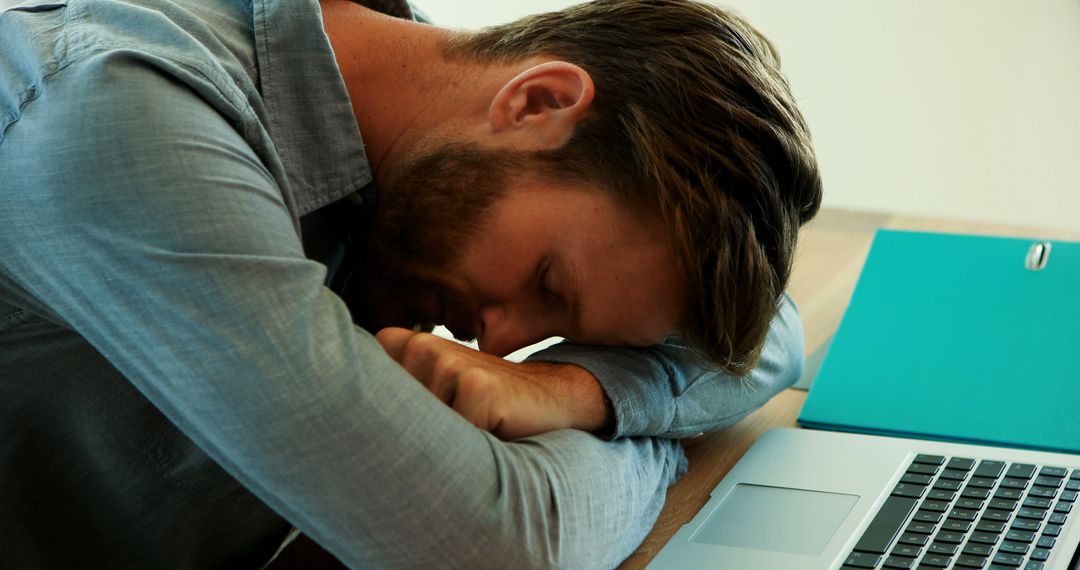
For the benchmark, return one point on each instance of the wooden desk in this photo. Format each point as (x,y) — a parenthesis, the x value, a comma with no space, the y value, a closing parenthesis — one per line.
(832,250)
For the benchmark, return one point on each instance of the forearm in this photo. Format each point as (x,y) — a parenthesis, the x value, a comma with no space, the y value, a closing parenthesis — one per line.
(562,499)
(664,391)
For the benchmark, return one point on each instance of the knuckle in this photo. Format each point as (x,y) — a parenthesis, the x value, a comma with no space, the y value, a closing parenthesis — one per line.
(422,344)
(387,336)
(449,366)
(475,382)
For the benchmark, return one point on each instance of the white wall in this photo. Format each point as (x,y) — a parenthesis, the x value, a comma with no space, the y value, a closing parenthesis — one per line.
(964,109)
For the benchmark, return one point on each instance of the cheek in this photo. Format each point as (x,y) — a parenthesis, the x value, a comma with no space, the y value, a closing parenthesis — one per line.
(650,306)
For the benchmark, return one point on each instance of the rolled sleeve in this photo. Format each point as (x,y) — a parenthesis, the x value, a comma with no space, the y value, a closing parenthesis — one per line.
(665,391)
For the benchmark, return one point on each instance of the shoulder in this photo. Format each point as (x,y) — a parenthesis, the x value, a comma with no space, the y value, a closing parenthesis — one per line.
(119,45)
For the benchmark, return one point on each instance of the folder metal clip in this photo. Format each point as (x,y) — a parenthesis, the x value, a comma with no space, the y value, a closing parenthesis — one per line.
(1038,255)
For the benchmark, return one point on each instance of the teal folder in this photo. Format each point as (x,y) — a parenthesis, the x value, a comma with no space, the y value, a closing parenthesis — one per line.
(952,337)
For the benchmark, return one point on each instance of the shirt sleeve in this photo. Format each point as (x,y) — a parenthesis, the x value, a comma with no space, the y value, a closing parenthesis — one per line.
(138,215)
(664,391)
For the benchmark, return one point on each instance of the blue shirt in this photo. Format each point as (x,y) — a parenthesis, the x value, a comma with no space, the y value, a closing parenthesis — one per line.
(172,363)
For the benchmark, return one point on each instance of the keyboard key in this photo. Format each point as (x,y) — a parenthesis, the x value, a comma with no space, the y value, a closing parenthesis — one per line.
(1052,530)
(1002,504)
(935,561)
(949,537)
(1006,559)
(1048,492)
(1045,481)
(920,528)
(861,560)
(886,524)
(901,563)
(1068,496)
(1054,471)
(983,538)
(1013,547)
(1073,485)
(970,562)
(1063,508)
(991,469)
(921,469)
(1026,513)
(955,474)
(956,526)
(1034,565)
(947,484)
(1037,503)
(981,550)
(1026,524)
(961,463)
(1040,554)
(963,514)
(1020,536)
(929,459)
(941,495)
(910,491)
(983,482)
(1075,474)
(1005,493)
(990,526)
(996,515)
(935,506)
(927,516)
(1021,470)
(943,549)
(1057,518)
(913,539)
(970,504)
(1046,542)
(916,479)
(906,551)
(1014,483)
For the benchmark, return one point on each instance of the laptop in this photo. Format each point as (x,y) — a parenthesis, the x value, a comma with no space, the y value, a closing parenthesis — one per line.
(927,484)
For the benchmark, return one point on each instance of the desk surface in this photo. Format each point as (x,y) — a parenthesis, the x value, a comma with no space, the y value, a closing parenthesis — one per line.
(832,250)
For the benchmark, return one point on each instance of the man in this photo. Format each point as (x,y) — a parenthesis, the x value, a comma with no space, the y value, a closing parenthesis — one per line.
(191,224)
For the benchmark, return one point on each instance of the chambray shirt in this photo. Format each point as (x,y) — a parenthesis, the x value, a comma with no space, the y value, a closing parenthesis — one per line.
(178,385)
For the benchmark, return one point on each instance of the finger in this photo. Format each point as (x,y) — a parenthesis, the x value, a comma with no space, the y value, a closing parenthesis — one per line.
(393,340)
(476,398)
(432,361)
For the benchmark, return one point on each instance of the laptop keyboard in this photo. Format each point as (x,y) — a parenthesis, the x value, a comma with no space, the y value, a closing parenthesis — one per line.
(960,513)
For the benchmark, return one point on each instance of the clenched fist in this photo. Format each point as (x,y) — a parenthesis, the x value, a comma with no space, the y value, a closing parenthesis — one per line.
(509,399)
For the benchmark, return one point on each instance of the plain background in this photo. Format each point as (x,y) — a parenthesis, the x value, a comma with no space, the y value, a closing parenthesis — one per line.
(961,109)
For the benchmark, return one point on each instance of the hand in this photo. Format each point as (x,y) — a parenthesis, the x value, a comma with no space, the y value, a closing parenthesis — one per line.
(509,399)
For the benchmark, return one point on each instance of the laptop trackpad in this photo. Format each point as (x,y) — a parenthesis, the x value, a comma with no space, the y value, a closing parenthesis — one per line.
(776,519)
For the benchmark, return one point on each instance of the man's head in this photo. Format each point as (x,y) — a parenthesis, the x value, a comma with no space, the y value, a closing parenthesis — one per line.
(671,121)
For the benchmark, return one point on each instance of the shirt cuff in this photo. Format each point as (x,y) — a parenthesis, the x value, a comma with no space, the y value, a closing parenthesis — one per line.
(636,383)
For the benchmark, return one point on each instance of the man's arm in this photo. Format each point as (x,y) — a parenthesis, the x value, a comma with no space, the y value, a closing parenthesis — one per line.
(661,390)
(664,391)
(139,216)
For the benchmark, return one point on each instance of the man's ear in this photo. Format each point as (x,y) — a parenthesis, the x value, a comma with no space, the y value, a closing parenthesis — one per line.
(539,108)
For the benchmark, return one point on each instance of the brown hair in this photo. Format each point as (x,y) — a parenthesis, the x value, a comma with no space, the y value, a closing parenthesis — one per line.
(692,118)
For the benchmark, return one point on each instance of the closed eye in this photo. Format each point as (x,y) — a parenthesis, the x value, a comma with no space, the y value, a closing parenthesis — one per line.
(542,276)
(543,281)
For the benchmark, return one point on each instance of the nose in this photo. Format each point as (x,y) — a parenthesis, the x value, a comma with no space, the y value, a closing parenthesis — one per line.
(504,330)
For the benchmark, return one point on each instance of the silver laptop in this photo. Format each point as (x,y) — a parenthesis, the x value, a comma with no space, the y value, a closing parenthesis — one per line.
(805,499)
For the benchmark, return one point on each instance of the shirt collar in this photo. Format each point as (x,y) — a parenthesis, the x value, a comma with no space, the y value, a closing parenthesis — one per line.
(310,116)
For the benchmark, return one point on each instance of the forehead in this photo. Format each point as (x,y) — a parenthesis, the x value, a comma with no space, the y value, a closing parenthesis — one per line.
(618,268)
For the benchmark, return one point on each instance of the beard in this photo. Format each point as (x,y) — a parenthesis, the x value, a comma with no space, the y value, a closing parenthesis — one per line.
(427,211)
